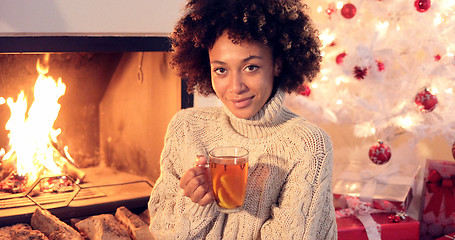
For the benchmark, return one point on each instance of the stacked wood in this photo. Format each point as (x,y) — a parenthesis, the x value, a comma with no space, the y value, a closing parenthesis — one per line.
(145,216)
(52,227)
(103,227)
(137,227)
(21,231)
(125,225)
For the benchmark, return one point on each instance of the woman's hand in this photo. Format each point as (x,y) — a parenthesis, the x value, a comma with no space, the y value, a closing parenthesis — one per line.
(196,183)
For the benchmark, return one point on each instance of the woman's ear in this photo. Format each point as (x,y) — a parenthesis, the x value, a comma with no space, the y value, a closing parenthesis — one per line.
(277,67)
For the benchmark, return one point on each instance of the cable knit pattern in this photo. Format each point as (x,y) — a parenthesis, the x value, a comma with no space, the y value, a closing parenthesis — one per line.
(289,180)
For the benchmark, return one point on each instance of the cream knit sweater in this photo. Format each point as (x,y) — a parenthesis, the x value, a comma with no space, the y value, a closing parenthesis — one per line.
(289,180)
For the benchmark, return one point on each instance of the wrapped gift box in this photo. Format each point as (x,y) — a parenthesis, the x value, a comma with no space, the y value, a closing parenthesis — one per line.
(351,228)
(450,236)
(387,187)
(438,199)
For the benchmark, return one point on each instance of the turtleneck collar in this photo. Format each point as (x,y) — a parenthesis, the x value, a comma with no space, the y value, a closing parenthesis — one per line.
(263,123)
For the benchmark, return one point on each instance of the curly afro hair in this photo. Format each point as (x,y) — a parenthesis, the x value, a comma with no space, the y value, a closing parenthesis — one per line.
(281,24)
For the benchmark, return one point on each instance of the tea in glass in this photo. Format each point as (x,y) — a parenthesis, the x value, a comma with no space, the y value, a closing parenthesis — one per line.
(229,174)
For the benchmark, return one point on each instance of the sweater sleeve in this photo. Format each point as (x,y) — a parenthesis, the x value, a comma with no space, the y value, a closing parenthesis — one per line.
(305,208)
(172,214)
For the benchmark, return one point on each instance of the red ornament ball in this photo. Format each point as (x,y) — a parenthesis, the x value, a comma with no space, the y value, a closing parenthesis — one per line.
(453,150)
(422,5)
(348,10)
(437,57)
(304,90)
(380,153)
(381,65)
(340,57)
(426,101)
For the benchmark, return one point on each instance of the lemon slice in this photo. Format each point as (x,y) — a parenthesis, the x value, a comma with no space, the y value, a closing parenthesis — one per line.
(229,183)
(225,199)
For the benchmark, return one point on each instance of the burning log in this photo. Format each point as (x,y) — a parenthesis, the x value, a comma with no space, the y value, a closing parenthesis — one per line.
(52,227)
(68,164)
(14,183)
(21,231)
(137,227)
(11,182)
(8,165)
(103,227)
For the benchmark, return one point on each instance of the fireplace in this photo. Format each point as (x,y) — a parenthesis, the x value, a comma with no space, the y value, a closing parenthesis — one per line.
(120,95)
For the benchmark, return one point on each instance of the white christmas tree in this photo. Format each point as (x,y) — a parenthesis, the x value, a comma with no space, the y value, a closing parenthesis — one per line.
(388,67)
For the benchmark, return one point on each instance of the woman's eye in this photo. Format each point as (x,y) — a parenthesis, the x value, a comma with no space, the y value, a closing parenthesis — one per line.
(251,68)
(219,71)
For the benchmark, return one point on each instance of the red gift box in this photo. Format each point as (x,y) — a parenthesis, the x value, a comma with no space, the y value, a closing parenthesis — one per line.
(438,199)
(450,236)
(350,228)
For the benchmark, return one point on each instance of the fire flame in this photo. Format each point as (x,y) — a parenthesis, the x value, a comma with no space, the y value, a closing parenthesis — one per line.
(31,131)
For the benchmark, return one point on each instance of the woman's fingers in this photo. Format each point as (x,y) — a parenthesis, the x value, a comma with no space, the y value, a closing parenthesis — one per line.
(196,183)
(207,198)
(193,184)
(191,174)
(201,161)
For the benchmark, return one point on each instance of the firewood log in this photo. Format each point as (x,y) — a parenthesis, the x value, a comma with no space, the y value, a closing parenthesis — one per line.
(8,165)
(52,227)
(68,167)
(103,227)
(21,231)
(145,216)
(72,171)
(138,229)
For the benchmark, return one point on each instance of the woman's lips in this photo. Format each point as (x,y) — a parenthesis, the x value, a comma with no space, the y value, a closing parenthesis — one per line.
(241,103)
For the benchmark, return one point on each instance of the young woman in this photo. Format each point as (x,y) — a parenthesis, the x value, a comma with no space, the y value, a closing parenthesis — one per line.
(249,53)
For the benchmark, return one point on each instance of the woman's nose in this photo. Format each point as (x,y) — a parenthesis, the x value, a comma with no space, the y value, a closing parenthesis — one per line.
(237,84)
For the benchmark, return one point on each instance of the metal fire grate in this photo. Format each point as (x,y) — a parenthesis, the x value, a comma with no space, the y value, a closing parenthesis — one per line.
(62,199)
(57,199)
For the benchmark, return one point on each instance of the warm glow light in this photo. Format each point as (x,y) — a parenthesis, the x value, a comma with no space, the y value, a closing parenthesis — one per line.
(314,85)
(382,26)
(339,101)
(406,122)
(373,130)
(324,78)
(2,100)
(340,5)
(326,37)
(325,70)
(31,129)
(319,9)
(398,28)
(434,90)
(352,187)
(438,19)
(339,80)
(449,90)
(448,4)
(451,50)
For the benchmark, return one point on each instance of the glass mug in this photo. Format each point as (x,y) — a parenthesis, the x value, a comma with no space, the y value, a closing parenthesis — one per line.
(229,174)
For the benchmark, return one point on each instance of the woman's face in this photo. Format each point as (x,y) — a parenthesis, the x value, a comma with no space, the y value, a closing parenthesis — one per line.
(242,75)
